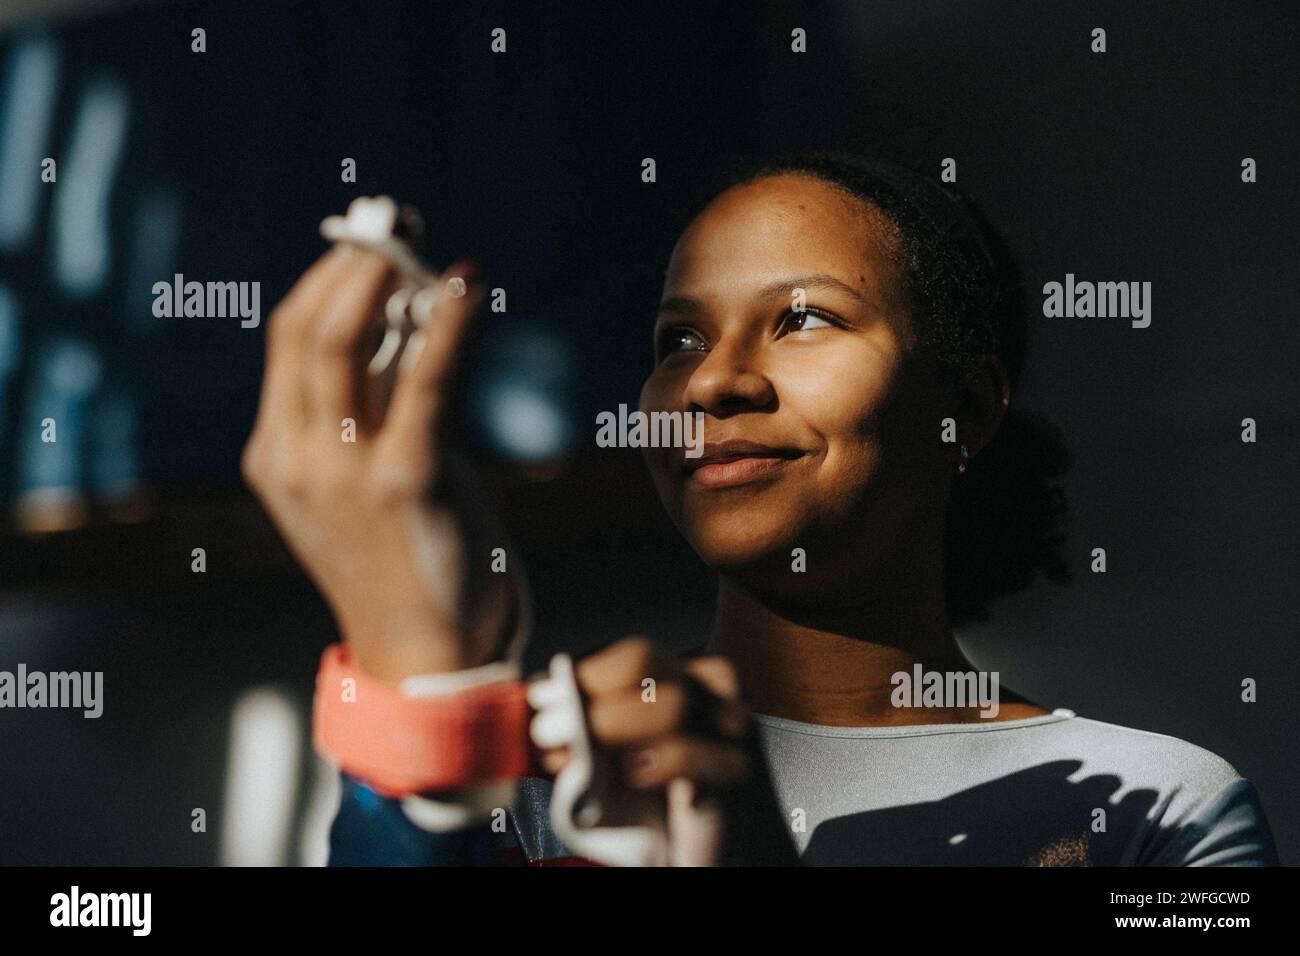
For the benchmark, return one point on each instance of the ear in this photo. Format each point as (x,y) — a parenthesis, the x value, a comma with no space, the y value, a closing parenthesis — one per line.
(984,393)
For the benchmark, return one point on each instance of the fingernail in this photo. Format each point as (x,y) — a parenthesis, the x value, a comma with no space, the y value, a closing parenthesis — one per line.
(466,269)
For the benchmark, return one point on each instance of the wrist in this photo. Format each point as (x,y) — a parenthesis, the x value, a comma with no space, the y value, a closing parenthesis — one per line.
(392,651)
(394,654)
(456,732)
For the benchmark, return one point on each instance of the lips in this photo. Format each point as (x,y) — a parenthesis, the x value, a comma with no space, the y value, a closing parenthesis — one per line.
(737,462)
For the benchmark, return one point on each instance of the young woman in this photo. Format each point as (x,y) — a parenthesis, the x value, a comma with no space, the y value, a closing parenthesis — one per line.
(852,333)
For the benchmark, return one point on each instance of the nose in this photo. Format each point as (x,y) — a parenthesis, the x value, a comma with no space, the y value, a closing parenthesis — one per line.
(728,382)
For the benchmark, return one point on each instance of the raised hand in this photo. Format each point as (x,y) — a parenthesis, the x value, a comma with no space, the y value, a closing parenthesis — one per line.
(353,470)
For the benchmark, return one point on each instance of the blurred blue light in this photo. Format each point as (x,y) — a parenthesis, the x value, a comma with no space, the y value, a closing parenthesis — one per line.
(10,340)
(525,398)
(66,375)
(525,422)
(26,112)
(80,216)
(9,335)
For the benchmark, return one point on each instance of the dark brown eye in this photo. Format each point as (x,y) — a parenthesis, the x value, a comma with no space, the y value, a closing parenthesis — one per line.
(804,321)
(679,339)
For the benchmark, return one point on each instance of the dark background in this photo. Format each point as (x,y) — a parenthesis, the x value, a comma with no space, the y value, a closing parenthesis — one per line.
(1122,166)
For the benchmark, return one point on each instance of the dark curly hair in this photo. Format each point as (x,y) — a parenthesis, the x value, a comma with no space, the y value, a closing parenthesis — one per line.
(1006,516)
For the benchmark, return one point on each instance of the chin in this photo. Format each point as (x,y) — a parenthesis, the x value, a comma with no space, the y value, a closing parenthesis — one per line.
(741,538)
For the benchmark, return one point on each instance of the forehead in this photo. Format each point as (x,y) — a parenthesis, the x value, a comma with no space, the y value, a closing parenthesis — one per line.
(788,224)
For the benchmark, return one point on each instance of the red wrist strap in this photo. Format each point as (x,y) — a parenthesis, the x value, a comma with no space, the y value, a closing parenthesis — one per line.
(403,745)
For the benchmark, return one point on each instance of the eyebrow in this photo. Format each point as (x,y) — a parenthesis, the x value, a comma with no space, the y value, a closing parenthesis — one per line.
(684,304)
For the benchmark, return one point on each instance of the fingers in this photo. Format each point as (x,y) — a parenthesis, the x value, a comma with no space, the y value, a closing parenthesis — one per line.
(555,760)
(690,722)
(419,393)
(624,665)
(655,762)
(620,718)
(339,340)
(693,758)
(282,398)
(318,350)
(637,691)
(717,674)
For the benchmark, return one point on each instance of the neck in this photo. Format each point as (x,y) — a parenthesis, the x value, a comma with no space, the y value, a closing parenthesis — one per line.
(836,669)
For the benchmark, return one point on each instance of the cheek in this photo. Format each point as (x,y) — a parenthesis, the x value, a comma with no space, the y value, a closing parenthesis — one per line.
(657,394)
(843,395)
(854,399)
(654,392)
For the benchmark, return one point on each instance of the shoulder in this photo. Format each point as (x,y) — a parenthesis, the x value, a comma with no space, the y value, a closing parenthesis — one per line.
(1198,810)
(1147,754)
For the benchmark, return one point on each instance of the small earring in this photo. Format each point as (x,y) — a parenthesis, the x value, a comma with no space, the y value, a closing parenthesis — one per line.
(965,460)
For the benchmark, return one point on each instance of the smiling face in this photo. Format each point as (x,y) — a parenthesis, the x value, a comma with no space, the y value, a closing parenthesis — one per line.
(821,427)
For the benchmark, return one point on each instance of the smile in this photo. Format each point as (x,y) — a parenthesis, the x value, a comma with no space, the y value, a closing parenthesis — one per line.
(731,463)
